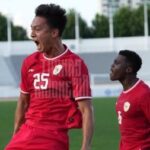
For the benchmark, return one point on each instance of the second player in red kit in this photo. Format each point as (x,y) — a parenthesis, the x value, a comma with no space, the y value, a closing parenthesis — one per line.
(133,104)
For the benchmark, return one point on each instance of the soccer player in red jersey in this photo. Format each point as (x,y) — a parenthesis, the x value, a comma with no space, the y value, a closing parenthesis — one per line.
(55,90)
(133,104)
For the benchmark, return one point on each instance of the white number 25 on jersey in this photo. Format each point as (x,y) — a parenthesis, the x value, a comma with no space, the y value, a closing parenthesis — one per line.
(41,77)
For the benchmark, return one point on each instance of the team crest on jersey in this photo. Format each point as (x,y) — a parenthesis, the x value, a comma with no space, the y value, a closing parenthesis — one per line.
(126,106)
(57,69)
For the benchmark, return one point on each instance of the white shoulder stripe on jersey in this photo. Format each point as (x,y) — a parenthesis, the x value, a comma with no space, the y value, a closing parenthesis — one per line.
(24,92)
(83,97)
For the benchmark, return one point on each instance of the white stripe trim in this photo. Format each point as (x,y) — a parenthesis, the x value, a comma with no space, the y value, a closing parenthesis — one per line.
(56,56)
(85,97)
(132,87)
(24,92)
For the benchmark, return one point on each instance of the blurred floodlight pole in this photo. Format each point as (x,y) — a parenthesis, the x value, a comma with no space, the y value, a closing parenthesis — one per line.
(77,31)
(111,28)
(146,24)
(9,39)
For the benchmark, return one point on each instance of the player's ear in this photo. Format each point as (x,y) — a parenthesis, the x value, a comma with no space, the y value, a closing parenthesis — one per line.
(55,32)
(129,69)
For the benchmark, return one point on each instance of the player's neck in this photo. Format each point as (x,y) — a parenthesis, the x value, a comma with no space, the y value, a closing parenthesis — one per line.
(129,82)
(55,51)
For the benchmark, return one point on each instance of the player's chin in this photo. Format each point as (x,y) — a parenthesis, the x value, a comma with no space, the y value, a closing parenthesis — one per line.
(112,78)
(40,50)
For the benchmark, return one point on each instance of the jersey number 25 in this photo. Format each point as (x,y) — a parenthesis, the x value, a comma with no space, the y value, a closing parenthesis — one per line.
(41,80)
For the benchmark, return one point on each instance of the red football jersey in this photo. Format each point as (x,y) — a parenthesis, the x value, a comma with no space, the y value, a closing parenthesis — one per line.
(133,110)
(55,85)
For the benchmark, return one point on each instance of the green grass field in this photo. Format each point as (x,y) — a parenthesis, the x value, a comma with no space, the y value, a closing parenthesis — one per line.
(106,134)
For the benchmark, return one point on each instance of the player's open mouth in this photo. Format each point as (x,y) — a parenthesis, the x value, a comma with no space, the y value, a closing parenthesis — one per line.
(111,72)
(37,43)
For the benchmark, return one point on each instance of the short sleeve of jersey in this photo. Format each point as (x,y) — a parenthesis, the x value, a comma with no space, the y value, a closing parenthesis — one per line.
(80,81)
(24,84)
(145,104)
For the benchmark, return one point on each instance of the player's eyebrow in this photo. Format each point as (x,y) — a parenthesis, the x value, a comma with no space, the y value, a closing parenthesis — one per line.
(35,26)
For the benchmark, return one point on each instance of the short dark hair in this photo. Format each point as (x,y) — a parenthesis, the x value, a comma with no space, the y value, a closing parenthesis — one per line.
(55,15)
(133,59)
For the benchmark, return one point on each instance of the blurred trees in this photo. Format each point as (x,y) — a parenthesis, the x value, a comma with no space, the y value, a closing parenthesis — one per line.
(18,32)
(69,33)
(127,22)
(100,26)
(3,28)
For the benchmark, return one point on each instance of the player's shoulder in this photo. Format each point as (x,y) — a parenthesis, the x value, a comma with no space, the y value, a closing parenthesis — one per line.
(76,61)
(144,88)
(144,93)
(33,57)
(144,85)
(74,56)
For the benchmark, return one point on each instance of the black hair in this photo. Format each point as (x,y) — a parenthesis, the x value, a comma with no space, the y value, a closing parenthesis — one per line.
(133,59)
(55,15)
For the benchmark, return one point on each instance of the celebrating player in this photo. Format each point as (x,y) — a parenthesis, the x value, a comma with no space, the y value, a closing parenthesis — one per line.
(55,92)
(133,104)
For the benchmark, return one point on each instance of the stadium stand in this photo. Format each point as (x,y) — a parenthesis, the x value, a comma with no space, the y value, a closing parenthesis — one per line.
(6,78)
(15,66)
(96,53)
(98,63)
(99,66)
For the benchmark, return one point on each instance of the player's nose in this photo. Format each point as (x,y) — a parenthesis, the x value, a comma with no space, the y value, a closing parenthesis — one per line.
(33,35)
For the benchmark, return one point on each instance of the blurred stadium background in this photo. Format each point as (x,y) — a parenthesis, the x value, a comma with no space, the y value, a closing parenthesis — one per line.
(98,54)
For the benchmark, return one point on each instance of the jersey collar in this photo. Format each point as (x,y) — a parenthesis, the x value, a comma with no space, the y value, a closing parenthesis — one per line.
(132,87)
(54,58)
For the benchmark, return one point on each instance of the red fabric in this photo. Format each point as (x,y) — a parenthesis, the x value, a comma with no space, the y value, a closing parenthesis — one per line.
(133,110)
(30,138)
(54,86)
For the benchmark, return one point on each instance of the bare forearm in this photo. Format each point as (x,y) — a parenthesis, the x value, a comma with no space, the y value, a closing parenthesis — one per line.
(21,109)
(86,109)
(19,119)
(88,128)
